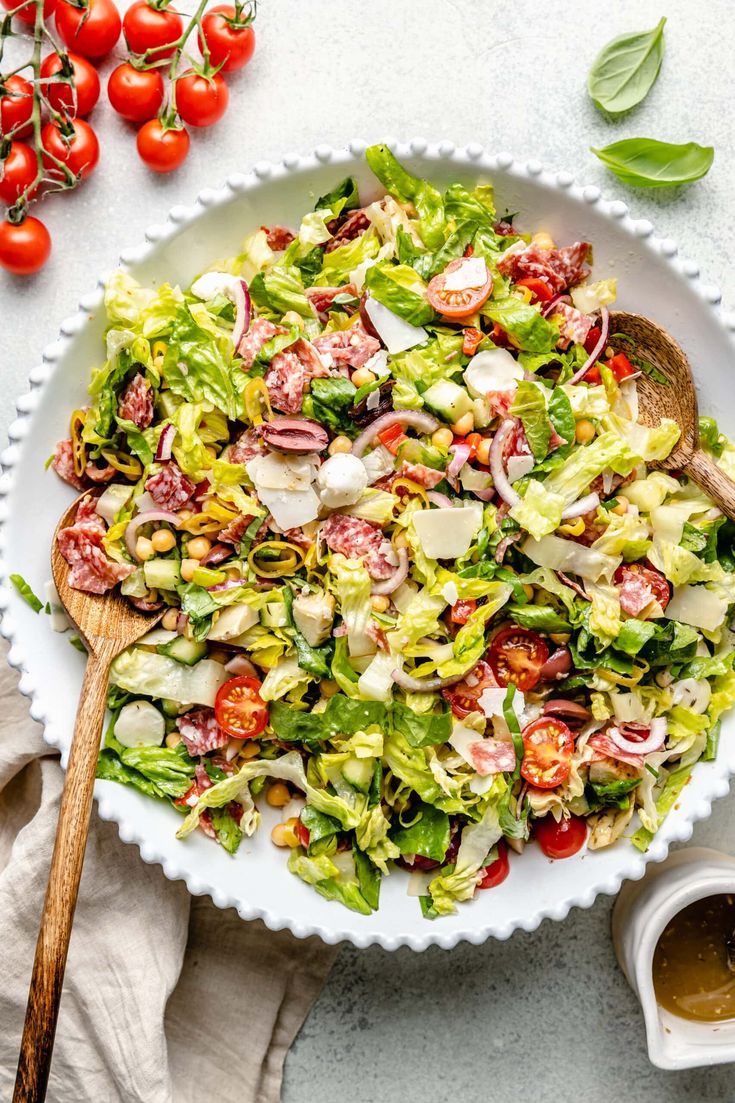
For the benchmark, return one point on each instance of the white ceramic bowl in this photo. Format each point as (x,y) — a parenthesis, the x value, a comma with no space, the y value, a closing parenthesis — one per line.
(652,280)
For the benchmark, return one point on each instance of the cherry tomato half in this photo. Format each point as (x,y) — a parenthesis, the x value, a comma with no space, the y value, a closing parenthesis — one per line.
(457,304)
(27,13)
(147,28)
(497,871)
(136,94)
(91,31)
(463,696)
(548,745)
(563,839)
(639,586)
(231,42)
(19,170)
(303,834)
(462,610)
(16,107)
(201,101)
(80,152)
(162,149)
(516,655)
(540,290)
(239,708)
(60,95)
(24,247)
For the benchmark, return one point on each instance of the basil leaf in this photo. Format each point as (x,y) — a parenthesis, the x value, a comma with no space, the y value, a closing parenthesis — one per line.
(648,163)
(625,70)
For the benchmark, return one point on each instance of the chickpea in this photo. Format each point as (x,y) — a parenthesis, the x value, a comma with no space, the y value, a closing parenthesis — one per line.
(379,603)
(559,637)
(363,376)
(198,547)
(464,424)
(173,739)
(328,687)
(543,239)
(170,619)
(528,591)
(584,431)
(622,506)
(483,451)
(442,438)
(278,795)
(143,548)
(340,444)
(284,834)
(250,749)
(163,540)
(185,515)
(188,566)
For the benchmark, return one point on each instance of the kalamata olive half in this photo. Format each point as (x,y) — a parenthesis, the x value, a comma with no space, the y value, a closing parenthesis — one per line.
(558,665)
(363,416)
(569,711)
(368,325)
(294,434)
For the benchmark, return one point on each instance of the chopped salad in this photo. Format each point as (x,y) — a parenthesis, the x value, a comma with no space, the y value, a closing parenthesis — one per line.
(423,586)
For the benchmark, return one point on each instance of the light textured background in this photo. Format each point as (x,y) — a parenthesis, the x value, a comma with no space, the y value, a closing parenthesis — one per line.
(547,1012)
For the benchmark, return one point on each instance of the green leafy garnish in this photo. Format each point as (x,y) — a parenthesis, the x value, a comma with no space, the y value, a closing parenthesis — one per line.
(648,163)
(625,70)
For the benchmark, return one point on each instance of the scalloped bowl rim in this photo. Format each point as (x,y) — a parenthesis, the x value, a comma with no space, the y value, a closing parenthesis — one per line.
(633,864)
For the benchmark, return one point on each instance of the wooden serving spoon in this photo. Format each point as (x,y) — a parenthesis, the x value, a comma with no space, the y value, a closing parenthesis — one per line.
(676,399)
(108,624)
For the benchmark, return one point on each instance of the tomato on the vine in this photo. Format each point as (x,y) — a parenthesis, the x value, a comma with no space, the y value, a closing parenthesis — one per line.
(200,100)
(136,94)
(24,246)
(517,655)
(239,708)
(61,95)
(149,28)
(162,148)
(230,41)
(563,839)
(16,106)
(91,31)
(27,13)
(79,151)
(19,170)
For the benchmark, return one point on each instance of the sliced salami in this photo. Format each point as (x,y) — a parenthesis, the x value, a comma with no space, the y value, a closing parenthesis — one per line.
(427,477)
(346,229)
(247,446)
(492,756)
(573,324)
(278,237)
(63,464)
(289,373)
(353,346)
(321,298)
(607,748)
(81,546)
(170,488)
(234,532)
(136,402)
(355,539)
(560,268)
(200,731)
(260,331)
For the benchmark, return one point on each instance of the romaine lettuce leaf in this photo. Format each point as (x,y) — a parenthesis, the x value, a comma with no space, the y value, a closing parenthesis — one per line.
(410,189)
(522,322)
(428,833)
(400,289)
(529,405)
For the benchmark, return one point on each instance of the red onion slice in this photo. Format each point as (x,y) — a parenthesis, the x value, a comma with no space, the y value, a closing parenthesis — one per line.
(425,423)
(228,584)
(143,519)
(439,499)
(461,453)
(655,741)
(239,666)
(551,305)
(504,544)
(580,507)
(165,443)
(599,347)
(497,467)
(243,311)
(423,685)
(573,585)
(388,585)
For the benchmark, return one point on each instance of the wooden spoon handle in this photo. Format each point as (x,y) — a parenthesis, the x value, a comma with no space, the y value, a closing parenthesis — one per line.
(61,893)
(720,487)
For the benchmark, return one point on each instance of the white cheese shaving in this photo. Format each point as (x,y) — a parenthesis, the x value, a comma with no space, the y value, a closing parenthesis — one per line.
(378,363)
(378,463)
(419,881)
(373,400)
(491,371)
(283,484)
(491,702)
(697,606)
(396,334)
(449,592)
(447,533)
(471,273)
(519,467)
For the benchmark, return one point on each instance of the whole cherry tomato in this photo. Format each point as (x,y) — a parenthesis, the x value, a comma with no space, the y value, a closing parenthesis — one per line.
(16,107)
(148,28)
(91,31)
(563,839)
(201,101)
(24,246)
(60,95)
(162,149)
(229,39)
(136,94)
(79,151)
(19,170)
(27,13)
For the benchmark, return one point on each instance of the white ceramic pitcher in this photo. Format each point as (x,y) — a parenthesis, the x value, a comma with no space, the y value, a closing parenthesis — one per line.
(641,912)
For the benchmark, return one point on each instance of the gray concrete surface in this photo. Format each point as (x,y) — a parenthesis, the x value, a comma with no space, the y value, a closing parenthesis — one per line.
(545,1016)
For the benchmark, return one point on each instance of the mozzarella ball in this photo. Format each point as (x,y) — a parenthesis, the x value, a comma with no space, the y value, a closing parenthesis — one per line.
(342,480)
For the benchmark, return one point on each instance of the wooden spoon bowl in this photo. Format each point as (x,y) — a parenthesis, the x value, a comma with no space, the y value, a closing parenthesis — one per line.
(108,624)
(675,399)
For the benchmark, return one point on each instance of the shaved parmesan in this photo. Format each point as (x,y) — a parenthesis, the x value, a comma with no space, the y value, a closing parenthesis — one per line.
(283,484)
(491,371)
(373,400)
(519,467)
(378,463)
(447,533)
(471,273)
(697,606)
(396,334)
(419,881)
(449,592)
(491,702)
(378,363)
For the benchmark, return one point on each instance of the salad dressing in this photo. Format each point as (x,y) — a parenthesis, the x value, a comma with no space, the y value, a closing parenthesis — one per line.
(692,977)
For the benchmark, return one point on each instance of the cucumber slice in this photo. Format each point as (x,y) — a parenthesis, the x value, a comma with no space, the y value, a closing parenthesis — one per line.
(448,400)
(183,650)
(162,574)
(359,773)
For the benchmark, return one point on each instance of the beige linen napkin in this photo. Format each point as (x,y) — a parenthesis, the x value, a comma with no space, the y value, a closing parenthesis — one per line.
(165,995)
